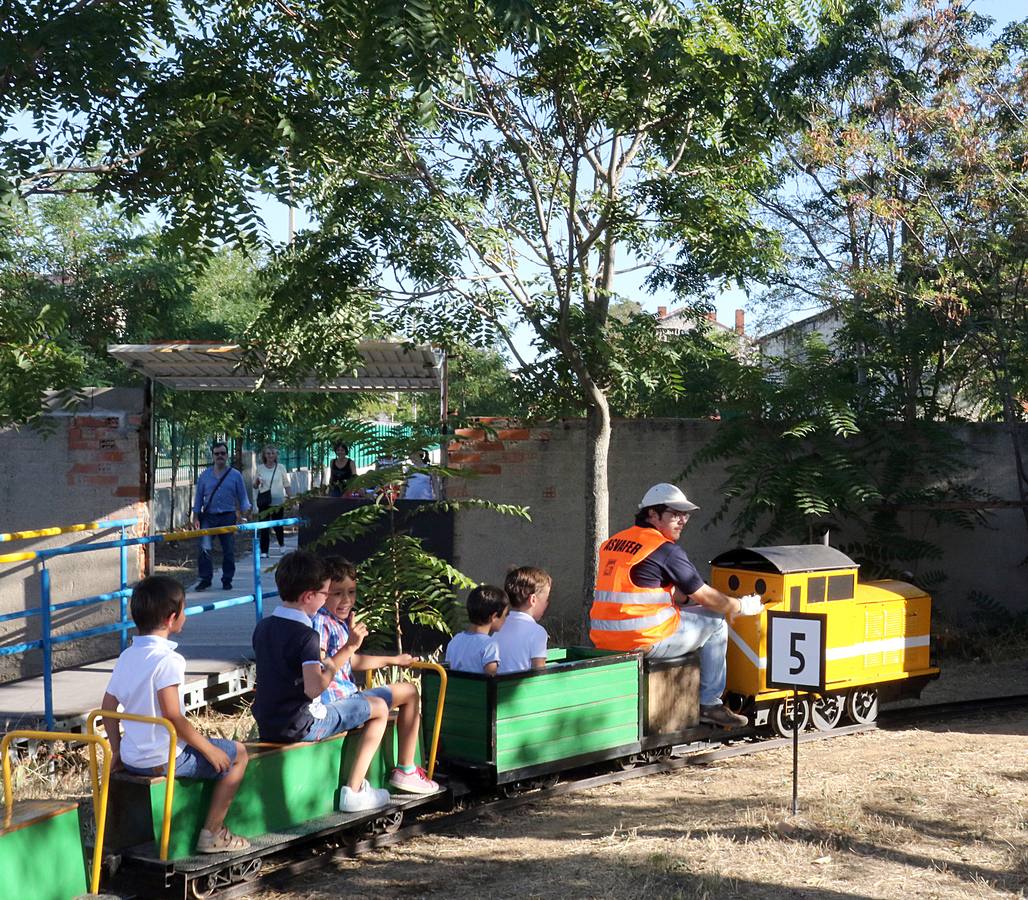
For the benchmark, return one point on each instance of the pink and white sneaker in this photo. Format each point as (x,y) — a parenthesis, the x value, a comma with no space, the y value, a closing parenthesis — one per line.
(416,782)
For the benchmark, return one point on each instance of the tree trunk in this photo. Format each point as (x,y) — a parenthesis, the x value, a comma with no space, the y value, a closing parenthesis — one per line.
(1013,425)
(597,497)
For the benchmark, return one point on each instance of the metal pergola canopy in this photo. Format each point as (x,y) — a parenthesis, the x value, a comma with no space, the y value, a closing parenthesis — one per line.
(198,366)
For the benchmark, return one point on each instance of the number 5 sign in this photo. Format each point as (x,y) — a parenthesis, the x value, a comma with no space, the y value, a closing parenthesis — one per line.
(796,650)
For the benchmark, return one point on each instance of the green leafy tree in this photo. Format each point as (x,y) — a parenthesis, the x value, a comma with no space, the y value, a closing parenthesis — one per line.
(551,161)
(905,203)
(807,451)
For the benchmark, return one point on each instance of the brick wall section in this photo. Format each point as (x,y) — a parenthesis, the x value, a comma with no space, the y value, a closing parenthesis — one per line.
(544,469)
(486,451)
(84,468)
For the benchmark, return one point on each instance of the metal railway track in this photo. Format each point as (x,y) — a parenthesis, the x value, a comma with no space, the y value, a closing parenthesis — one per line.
(279,876)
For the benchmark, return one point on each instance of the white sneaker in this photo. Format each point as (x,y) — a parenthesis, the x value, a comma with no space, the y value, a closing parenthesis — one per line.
(365,799)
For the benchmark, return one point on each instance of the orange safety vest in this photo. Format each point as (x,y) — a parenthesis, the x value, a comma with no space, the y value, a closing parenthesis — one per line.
(625,616)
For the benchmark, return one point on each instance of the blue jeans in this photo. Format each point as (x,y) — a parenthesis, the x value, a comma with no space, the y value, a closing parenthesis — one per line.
(345,715)
(191,763)
(707,630)
(204,565)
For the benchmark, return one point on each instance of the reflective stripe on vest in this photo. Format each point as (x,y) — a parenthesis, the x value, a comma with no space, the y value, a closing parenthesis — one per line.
(625,616)
(659,597)
(641,623)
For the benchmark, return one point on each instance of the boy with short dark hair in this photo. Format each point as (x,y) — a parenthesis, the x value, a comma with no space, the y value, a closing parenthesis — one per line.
(341,638)
(522,640)
(291,677)
(145,682)
(476,650)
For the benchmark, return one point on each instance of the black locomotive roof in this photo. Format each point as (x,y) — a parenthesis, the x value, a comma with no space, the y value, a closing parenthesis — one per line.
(783,560)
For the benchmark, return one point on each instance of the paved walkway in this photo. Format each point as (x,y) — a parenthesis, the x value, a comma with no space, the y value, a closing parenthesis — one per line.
(225,633)
(216,645)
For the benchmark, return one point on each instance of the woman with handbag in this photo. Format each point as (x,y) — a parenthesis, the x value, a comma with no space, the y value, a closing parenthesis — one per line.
(269,486)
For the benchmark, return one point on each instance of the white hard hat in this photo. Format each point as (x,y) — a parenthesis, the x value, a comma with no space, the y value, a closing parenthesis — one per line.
(665,494)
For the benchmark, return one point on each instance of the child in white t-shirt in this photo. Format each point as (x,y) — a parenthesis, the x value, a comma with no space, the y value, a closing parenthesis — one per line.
(522,639)
(475,650)
(146,681)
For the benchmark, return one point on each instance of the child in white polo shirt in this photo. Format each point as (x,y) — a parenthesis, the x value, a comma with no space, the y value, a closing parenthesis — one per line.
(146,681)
(522,639)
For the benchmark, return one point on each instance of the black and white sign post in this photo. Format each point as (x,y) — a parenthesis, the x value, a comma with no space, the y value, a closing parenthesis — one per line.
(796,645)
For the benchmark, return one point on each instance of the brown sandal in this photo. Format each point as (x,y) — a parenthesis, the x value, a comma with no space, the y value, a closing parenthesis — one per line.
(220,841)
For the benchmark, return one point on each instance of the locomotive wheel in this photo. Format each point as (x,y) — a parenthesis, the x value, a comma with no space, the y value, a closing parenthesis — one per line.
(514,789)
(826,712)
(387,824)
(862,706)
(785,713)
(627,763)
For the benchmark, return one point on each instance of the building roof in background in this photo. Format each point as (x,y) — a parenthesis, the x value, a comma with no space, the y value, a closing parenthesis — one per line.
(200,366)
(803,326)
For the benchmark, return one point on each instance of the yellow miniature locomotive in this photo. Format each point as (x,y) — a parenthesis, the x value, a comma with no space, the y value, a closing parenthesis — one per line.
(877,633)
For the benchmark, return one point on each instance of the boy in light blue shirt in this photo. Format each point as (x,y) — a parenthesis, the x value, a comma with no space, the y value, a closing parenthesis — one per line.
(476,650)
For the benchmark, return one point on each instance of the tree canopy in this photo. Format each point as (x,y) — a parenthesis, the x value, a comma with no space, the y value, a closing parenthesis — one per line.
(904,204)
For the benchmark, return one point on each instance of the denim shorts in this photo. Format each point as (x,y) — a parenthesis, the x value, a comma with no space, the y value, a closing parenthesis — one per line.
(345,715)
(191,763)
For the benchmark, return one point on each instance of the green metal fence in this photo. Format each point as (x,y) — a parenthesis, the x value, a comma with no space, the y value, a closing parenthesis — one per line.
(194,455)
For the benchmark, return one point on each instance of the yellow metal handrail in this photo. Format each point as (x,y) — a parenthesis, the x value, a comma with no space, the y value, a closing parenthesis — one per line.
(169,787)
(440,703)
(55,530)
(170,536)
(100,784)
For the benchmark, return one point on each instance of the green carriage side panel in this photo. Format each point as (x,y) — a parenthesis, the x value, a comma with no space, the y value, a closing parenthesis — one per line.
(565,690)
(566,713)
(585,701)
(466,731)
(42,858)
(282,787)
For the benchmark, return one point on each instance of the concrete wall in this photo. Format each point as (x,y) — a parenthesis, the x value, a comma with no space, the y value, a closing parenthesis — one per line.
(544,469)
(86,468)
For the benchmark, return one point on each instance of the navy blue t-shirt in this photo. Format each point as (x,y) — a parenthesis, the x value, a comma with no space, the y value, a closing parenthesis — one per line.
(281,706)
(668,564)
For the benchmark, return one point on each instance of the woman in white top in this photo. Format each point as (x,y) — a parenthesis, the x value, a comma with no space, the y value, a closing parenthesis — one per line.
(419,485)
(269,488)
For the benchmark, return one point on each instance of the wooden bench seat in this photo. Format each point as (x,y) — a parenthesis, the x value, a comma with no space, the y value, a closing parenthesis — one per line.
(671,694)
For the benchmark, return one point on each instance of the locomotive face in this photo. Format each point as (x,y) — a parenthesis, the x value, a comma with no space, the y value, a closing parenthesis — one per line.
(877,632)
(739,583)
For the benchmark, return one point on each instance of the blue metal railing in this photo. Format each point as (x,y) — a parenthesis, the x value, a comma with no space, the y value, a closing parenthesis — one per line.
(47,640)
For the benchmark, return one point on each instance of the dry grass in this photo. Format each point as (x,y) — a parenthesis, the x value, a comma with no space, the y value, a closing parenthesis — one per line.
(58,770)
(932,813)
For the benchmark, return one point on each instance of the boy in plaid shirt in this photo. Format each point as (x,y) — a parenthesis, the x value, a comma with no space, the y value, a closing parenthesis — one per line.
(341,638)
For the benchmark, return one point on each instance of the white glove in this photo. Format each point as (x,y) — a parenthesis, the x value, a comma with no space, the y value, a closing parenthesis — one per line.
(750,605)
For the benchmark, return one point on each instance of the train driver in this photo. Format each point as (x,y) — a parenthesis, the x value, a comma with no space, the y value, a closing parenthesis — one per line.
(643,580)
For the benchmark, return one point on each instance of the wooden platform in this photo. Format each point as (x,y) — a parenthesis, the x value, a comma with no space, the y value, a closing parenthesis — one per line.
(216,645)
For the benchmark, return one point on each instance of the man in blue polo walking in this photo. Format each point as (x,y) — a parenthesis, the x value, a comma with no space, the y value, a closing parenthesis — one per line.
(220,500)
